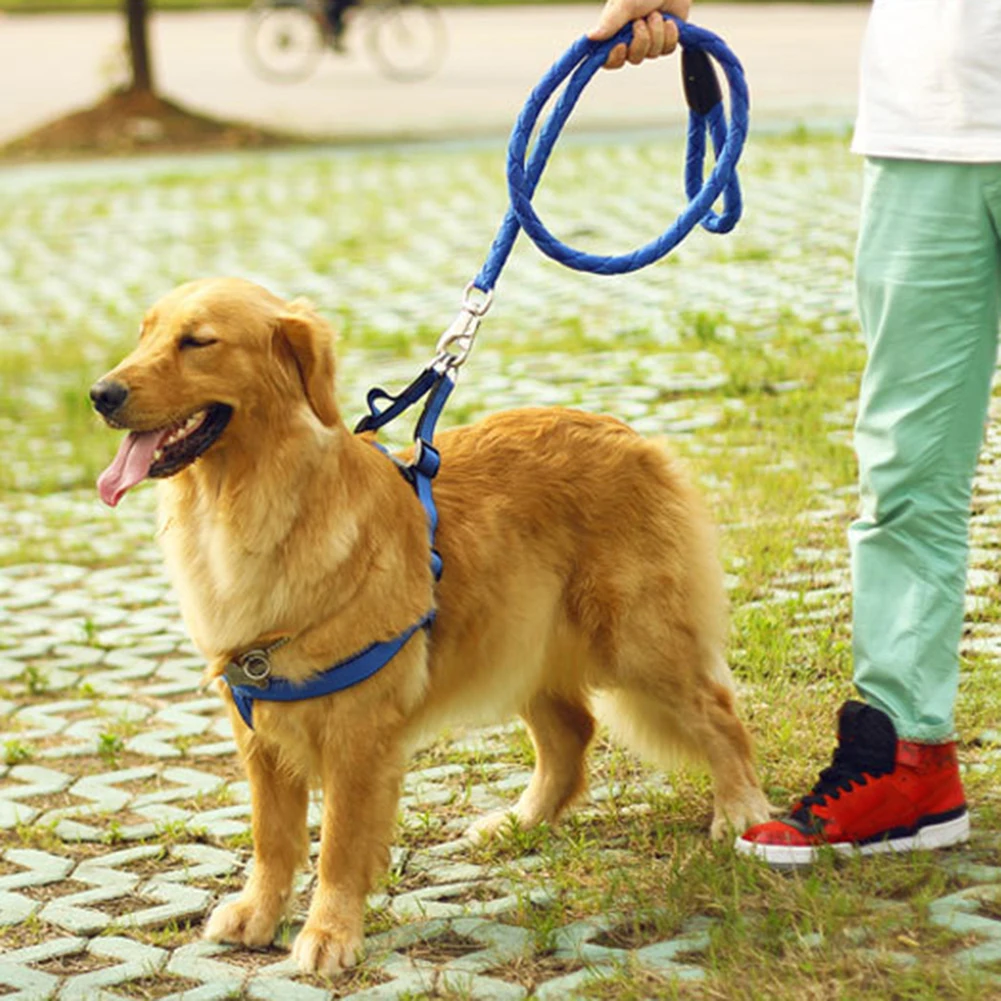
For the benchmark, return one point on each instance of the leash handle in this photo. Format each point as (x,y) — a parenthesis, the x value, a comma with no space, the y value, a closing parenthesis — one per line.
(705,102)
(580,62)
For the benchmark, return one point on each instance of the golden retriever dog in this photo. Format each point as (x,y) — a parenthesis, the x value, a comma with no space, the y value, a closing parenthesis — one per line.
(581,582)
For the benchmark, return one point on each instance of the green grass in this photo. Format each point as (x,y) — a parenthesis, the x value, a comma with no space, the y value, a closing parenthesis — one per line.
(775,464)
(844,930)
(17,752)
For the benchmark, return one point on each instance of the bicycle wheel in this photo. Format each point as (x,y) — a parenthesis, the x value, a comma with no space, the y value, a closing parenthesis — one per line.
(285,38)
(407,39)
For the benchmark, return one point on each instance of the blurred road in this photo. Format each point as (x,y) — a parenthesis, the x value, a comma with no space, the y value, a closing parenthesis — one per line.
(801,61)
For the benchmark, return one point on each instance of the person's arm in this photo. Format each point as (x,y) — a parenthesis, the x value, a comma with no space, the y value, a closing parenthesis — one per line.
(652,35)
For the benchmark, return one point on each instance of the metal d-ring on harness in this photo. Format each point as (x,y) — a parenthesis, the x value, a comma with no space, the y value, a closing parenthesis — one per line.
(249,675)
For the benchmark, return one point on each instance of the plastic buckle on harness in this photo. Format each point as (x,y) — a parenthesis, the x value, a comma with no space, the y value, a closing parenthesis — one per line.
(427,460)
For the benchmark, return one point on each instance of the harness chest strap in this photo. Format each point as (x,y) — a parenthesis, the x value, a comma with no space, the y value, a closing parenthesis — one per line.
(249,676)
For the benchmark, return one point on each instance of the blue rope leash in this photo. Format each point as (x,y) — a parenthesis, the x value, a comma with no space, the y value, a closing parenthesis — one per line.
(580,62)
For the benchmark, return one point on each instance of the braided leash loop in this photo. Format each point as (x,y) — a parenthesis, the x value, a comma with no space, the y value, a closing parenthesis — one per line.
(706,115)
(580,62)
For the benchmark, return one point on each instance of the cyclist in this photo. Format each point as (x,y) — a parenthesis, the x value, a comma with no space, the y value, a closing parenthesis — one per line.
(334,10)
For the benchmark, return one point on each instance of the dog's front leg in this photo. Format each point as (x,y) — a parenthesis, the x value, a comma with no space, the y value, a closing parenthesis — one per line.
(278,802)
(360,797)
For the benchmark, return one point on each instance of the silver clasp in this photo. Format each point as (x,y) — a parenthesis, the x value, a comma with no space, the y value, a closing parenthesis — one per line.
(252,667)
(455,344)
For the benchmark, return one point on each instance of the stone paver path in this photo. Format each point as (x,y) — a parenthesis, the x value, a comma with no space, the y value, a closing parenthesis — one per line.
(126,812)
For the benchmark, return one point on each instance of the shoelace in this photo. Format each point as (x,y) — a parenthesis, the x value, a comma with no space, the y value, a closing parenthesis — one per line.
(848,766)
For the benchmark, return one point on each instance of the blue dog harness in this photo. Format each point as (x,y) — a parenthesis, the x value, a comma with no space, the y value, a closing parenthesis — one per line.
(249,675)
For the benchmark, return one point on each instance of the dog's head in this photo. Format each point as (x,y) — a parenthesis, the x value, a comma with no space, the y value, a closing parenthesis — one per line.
(213,356)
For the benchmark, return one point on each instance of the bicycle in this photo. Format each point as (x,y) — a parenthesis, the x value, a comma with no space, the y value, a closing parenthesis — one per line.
(285,39)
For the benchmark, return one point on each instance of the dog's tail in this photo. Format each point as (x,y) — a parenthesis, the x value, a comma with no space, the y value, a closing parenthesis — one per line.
(636,724)
(662,731)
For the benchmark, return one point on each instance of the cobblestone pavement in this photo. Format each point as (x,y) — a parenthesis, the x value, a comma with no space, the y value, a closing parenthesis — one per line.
(120,777)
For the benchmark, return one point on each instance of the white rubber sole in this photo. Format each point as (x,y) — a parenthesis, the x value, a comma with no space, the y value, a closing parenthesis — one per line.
(949,832)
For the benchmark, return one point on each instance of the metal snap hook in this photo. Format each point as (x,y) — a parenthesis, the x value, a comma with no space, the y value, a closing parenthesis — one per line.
(456,342)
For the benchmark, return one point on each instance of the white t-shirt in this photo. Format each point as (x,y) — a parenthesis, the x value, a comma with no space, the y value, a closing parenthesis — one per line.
(930,85)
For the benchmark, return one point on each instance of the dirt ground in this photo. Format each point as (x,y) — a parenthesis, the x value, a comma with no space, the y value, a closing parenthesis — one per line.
(128,123)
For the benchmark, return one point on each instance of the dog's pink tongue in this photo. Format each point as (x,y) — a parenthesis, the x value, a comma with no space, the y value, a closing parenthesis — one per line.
(130,466)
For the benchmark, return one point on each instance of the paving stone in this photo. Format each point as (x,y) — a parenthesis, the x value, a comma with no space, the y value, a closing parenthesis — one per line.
(177,902)
(281,989)
(92,614)
(15,908)
(567,986)
(196,963)
(26,984)
(78,912)
(40,869)
(441,900)
(187,720)
(135,962)
(959,913)
(33,780)
(199,862)
(481,988)
(31,984)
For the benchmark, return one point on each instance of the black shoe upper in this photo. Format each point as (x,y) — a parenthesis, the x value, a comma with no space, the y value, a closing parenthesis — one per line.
(867,748)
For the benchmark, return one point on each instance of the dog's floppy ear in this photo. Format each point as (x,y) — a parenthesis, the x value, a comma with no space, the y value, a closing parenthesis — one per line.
(304,334)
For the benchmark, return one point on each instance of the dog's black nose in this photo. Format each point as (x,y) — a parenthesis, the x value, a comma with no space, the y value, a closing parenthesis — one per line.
(107,396)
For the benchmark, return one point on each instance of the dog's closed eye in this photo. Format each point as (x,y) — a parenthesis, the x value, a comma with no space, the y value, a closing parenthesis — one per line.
(191,341)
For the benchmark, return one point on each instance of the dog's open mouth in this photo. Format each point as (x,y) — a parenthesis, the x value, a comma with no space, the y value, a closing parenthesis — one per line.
(163,452)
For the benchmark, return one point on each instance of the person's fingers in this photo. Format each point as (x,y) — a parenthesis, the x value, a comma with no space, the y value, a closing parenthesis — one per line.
(652,35)
(658,35)
(616,58)
(613,16)
(670,37)
(618,13)
(679,8)
(640,45)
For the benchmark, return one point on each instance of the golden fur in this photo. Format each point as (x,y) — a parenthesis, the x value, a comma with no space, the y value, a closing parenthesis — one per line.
(581,577)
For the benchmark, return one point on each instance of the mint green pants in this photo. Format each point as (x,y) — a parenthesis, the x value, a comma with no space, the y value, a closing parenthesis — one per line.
(928,275)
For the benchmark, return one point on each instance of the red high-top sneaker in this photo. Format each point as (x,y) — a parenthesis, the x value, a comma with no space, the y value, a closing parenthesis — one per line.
(879,794)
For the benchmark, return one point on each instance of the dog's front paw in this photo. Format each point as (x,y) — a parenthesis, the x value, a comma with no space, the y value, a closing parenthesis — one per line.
(737,815)
(488,825)
(326,950)
(243,922)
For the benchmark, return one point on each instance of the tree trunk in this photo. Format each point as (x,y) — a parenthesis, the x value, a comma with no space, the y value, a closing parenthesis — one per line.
(136,12)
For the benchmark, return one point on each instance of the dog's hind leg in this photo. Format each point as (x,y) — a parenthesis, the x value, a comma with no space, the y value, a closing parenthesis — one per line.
(561,730)
(701,724)
(281,844)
